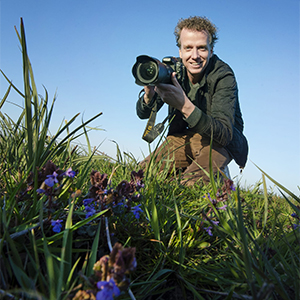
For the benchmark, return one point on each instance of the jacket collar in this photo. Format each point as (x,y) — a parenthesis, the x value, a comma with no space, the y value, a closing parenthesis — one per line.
(209,68)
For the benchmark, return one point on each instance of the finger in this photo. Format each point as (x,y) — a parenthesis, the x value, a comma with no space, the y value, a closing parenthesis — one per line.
(174,79)
(157,90)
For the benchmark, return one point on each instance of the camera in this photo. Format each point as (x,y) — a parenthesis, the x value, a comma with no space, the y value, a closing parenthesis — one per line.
(150,71)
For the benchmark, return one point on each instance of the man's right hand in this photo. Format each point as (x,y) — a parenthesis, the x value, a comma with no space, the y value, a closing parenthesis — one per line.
(149,94)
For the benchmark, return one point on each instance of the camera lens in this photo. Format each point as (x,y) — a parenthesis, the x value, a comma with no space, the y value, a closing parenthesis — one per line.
(147,72)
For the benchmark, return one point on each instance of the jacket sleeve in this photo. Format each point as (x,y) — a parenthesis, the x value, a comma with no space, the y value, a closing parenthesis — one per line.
(143,110)
(219,121)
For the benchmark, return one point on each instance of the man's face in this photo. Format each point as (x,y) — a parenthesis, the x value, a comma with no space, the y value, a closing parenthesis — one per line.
(195,52)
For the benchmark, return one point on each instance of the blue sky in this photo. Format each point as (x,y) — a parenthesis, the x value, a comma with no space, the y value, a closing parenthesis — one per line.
(84,51)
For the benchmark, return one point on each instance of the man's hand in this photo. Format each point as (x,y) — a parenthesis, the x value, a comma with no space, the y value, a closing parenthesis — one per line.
(149,94)
(174,95)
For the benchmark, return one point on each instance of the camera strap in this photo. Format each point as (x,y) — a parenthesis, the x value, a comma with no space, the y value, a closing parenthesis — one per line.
(153,131)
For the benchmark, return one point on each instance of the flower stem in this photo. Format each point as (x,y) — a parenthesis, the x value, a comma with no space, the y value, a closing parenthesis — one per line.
(108,235)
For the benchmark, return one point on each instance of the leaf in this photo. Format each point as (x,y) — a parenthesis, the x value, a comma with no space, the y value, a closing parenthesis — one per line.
(93,254)
(280,186)
(25,282)
(181,251)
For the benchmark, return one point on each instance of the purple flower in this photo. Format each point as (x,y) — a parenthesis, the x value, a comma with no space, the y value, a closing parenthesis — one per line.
(56,225)
(208,196)
(208,230)
(90,211)
(232,187)
(133,265)
(51,179)
(137,178)
(222,207)
(140,185)
(136,211)
(70,173)
(120,204)
(108,290)
(48,191)
(40,191)
(294,215)
(213,201)
(215,222)
(88,201)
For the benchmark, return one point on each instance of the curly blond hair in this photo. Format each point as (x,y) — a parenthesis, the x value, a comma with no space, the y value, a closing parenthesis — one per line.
(198,24)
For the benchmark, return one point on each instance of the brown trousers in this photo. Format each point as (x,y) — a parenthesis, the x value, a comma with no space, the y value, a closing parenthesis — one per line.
(190,153)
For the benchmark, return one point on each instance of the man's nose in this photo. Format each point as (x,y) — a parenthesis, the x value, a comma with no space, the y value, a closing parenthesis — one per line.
(195,53)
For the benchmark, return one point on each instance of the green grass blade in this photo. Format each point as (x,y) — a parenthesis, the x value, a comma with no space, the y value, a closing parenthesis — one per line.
(25,282)
(66,253)
(155,220)
(27,89)
(93,254)
(50,271)
(265,216)
(246,253)
(14,87)
(181,251)
(5,97)
(280,186)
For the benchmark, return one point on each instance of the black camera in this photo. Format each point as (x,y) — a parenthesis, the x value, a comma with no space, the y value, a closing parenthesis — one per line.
(150,71)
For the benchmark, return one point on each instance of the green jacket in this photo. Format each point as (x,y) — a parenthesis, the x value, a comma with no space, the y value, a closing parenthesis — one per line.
(217,110)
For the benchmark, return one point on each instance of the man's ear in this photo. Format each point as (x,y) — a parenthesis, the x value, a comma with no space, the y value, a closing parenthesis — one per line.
(180,53)
(211,52)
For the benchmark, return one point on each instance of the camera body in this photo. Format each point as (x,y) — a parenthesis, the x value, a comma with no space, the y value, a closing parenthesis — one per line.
(150,71)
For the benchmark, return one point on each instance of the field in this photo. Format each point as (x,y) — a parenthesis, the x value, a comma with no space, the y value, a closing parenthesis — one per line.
(77,224)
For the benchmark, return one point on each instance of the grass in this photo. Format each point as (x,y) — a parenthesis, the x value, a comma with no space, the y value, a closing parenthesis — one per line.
(155,237)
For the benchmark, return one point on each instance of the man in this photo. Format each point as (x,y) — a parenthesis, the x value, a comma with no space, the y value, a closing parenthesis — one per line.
(206,104)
